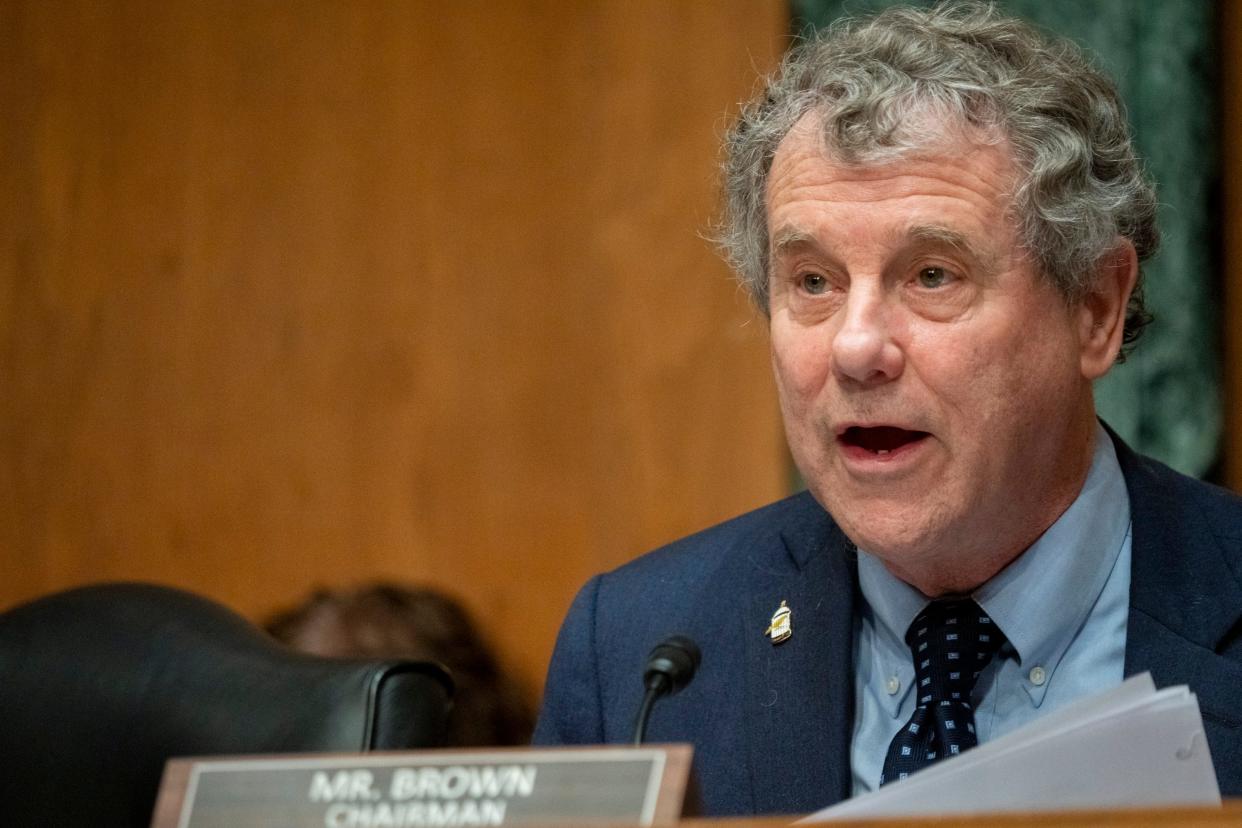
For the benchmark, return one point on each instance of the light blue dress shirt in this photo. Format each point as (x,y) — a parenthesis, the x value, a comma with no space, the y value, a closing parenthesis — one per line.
(1062,604)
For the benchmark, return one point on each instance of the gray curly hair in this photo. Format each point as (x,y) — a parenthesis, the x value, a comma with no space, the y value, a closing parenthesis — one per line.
(874,81)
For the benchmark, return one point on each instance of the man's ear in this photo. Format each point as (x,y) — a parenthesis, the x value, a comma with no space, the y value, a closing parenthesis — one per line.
(1102,311)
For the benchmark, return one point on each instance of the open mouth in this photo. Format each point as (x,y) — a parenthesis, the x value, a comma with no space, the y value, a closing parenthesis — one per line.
(881,440)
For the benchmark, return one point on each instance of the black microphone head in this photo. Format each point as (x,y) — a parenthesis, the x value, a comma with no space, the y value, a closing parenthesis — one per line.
(672,663)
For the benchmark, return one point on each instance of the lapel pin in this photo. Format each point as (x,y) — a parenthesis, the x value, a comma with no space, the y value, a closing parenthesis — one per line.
(780,629)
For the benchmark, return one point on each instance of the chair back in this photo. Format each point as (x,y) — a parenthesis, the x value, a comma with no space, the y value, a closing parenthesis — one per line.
(100,685)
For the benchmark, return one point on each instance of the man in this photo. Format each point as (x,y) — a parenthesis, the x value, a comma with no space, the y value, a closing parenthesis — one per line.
(942,215)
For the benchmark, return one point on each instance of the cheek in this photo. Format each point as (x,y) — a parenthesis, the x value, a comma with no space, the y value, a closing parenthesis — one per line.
(1011,385)
(801,362)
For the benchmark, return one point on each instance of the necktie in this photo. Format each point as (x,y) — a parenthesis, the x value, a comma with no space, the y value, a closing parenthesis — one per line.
(951,641)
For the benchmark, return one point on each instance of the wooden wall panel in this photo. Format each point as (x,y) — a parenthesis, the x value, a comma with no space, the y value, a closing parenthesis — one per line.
(302,293)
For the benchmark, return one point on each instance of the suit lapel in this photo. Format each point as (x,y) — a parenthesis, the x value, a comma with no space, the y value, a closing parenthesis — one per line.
(799,699)
(1180,576)
(1185,600)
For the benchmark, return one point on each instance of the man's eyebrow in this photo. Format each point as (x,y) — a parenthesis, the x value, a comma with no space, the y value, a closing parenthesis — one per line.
(787,238)
(790,238)
(936,234)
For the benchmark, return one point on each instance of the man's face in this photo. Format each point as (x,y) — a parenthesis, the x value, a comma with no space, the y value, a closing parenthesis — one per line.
(930,380)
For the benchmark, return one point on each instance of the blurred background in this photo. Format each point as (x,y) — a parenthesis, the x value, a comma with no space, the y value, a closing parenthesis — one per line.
(299,295)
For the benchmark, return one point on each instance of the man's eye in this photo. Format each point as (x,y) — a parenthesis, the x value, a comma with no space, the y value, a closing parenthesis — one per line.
(933,277)
(814,283)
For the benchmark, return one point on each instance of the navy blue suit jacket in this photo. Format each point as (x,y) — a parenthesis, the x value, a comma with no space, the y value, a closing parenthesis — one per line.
(771,726)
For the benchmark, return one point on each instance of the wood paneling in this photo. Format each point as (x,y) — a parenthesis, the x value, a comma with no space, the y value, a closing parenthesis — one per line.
(301,293)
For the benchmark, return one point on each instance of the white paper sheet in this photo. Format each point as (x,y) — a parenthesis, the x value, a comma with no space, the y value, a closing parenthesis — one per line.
(1132,746)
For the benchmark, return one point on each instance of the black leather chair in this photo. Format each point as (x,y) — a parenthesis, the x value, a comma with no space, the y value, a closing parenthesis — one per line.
(100,685)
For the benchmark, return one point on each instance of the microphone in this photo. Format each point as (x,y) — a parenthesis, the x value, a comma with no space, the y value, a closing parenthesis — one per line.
(670,667)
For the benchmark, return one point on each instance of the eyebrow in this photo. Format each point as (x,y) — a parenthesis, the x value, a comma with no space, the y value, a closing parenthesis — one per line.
(791,238)
(788,238)
(936,234)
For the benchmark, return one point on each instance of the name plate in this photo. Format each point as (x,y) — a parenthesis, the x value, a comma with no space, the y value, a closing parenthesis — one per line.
(547,786)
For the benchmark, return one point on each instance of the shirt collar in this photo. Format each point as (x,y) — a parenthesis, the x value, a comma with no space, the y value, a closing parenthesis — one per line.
(1042,598)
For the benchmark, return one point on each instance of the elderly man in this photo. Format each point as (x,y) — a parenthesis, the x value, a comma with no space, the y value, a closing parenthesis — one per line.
(942,215)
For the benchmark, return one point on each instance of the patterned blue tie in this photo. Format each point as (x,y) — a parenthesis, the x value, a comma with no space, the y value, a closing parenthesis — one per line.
(951,642)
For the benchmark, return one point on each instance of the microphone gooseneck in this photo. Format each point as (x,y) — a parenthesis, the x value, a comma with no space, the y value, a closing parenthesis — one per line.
(670,667)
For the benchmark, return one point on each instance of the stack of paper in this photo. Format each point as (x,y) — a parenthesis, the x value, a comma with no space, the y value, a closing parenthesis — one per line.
(1131,747)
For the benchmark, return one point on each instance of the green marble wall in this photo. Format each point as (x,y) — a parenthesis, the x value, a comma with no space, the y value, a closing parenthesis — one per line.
(1165,400)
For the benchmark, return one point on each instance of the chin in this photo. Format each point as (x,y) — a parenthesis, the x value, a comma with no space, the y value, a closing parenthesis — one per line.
(892,532)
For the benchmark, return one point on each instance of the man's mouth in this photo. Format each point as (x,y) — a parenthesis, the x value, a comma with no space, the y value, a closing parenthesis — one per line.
(880,440)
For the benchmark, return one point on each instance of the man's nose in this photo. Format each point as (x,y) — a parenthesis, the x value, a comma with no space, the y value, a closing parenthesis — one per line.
(864,350)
